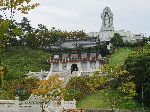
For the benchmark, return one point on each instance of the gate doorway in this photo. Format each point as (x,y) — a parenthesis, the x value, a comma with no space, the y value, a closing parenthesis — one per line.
(74,67)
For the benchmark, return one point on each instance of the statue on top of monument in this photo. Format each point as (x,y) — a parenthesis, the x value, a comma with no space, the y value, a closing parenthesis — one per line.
(107,20)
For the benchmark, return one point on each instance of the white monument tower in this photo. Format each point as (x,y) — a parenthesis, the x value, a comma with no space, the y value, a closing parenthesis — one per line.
(107,20)
(107,29)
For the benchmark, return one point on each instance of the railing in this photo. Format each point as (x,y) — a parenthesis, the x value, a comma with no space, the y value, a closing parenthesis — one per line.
(74,60)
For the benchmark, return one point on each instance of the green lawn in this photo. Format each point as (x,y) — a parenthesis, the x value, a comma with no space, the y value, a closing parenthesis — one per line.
(119,57)
(99,101)
(18,61)
(92,101)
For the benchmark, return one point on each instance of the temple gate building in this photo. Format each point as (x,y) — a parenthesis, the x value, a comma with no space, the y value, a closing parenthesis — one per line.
(76,57)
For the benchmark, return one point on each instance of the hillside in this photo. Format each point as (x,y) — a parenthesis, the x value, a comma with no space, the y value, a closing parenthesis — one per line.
(120,56)
(20,60)
(98,100)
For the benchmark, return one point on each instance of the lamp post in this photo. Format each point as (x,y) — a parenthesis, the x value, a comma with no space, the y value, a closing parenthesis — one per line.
(143,110)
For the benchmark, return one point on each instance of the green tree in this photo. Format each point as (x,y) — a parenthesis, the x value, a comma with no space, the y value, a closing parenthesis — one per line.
(118,80)
(25,25)
(116,40)
(81,86)
(18,87)
(24,87)
(3,36)
(26,28)
(8,88)
(12,6)
(138,65)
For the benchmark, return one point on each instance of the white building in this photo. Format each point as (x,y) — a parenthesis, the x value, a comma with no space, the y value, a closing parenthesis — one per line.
(107,29)
(74,57)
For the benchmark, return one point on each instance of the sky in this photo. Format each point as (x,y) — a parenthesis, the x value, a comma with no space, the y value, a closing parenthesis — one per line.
(132,15)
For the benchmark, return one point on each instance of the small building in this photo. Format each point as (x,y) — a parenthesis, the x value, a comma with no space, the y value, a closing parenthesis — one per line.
(76,57)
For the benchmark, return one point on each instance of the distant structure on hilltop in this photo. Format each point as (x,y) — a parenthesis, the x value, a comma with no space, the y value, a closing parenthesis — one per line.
(107,29)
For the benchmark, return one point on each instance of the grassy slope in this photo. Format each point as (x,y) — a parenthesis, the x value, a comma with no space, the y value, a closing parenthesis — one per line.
(119,57)
(93,101)
(97,100)
(19,61)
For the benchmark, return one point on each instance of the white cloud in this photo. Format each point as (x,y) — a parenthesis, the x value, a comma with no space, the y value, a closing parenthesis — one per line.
(133,15)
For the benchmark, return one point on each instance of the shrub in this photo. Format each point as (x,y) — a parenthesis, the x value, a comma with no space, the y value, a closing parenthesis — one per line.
(73,94)
(80,86)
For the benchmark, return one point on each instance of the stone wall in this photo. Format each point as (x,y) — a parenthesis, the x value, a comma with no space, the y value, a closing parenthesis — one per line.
(98,110)
(19,106)
(33,106)
(68,104)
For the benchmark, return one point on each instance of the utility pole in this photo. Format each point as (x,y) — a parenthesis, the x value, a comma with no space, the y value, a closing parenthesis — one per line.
(143,110)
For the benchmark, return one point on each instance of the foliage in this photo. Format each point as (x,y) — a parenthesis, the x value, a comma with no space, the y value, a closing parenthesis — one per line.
(138,65)
(126,92)
(71,94)
(8,88)
(116,99)
(4,25)
(128,89)
(78,86)
(103,50)
(24,88)
(42,37)
(50,89)
(83,86)
(20,60)
(116,40)
(87,85)
(112,76)
(9,30)
(113,72)
(119,79)
(25,25)
(3,38)
(18,87)
(24,34)
(23,6)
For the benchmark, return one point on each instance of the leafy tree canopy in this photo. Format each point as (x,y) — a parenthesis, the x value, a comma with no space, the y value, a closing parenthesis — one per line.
(116,40)
(138,65)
